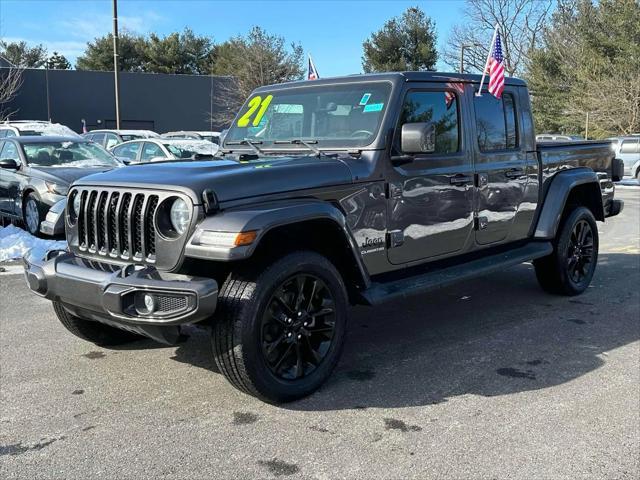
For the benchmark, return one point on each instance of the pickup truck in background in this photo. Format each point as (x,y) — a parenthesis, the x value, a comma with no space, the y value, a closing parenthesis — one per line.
(326,193)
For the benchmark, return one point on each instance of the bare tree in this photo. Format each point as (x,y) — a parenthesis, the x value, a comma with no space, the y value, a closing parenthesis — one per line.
(521,23)
(10,83)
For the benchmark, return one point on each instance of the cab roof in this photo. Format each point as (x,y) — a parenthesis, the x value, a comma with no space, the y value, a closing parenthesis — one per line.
(396,78)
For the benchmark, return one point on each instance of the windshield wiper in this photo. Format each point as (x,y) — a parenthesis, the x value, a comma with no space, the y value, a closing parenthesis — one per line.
(250,143)
(306,143)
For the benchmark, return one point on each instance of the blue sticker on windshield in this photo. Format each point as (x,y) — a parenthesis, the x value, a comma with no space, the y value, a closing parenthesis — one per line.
(365,98)
(374,107)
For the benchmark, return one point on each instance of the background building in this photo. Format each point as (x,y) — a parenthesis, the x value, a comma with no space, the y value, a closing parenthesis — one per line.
(150,101)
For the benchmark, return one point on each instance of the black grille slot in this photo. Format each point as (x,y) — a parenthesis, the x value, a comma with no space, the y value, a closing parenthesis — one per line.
(124,224)
(101,241)
(112,228)
(137,226)
(81,223)
(150,229)
(90,216)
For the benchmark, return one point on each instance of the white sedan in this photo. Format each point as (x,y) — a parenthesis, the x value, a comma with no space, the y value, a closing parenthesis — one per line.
(163,149)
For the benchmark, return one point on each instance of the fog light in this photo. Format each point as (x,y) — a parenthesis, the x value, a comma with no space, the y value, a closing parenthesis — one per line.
(145,303)
(149,303)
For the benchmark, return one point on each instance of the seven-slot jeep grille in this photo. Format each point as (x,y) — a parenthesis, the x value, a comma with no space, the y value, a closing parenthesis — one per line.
(118,224)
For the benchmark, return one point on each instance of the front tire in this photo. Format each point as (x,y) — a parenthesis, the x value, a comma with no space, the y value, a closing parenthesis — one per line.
(570,268)
(33,213)
(279,329)
(94,332)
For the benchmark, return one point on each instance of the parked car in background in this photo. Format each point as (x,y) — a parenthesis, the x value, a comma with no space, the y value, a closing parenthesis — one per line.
(110,138)
(33,128)
(213,137)
(627,149)
(553,137)
(162,149)
(36,172)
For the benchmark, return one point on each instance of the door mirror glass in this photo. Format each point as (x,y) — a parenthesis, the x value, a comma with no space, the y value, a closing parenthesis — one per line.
(418,137)
(9,164)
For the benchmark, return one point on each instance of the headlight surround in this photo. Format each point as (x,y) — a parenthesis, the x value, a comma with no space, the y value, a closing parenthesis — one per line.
(75,204)
(56,188)
(179,214)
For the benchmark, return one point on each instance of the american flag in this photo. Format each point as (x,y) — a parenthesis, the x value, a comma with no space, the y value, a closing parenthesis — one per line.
(496,68)
(313,73)
(450,96)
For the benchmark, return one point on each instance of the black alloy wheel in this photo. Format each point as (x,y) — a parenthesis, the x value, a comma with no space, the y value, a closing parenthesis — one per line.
(298,327)
(580,252)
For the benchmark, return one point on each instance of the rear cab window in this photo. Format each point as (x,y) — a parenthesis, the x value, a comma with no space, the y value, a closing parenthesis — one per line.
(496,124)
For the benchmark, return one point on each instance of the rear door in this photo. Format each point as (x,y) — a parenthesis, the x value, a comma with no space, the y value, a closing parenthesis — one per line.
(501,167)
(431,198)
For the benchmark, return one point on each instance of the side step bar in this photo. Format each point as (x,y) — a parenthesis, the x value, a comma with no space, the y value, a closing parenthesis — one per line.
(379,293)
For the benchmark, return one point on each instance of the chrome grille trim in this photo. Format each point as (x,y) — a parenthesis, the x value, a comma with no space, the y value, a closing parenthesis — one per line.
(117,224)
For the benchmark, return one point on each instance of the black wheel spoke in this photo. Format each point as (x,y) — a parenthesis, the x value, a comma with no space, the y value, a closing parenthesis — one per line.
(271,346)
(314,285)
(282,357)
(283,305)
(299,369)
(315,356)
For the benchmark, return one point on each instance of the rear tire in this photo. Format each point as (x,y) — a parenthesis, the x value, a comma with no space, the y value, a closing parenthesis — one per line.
(95,332)
(279,328)
(570,268)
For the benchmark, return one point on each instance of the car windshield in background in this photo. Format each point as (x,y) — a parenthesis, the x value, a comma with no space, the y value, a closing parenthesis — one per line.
(339,116)
(68,154)
(127,137)
(192,149)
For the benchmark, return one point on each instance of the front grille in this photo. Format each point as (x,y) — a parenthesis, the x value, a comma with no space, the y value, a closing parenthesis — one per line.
(118,224)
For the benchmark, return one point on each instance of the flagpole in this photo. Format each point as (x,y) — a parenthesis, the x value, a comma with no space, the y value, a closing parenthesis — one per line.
(484,72)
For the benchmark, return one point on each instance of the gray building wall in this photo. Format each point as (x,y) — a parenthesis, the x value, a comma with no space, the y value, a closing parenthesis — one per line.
(158,102)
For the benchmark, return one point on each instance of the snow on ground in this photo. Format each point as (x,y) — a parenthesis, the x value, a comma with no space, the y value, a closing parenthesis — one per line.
(15,243)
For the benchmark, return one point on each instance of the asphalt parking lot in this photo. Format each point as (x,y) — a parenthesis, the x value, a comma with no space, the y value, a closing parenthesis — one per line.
(489,379)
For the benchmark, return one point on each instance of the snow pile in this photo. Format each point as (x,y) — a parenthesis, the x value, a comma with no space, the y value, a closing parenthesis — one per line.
(15,243)
(49,129)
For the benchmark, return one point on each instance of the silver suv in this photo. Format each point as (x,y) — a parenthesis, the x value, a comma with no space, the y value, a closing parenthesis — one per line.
(627,149)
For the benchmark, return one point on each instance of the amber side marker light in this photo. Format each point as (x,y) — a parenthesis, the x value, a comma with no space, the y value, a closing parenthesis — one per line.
(245,238)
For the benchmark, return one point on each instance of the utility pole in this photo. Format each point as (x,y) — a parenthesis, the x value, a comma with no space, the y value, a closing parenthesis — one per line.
(586,128)
(116,66)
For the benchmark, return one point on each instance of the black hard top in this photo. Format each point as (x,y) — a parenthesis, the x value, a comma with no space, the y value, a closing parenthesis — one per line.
(395,77)
(46,139)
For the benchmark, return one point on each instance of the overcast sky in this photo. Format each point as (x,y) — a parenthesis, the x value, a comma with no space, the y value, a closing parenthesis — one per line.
(332,31)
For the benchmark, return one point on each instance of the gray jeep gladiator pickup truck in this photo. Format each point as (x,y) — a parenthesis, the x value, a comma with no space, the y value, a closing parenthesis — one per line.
(325,193)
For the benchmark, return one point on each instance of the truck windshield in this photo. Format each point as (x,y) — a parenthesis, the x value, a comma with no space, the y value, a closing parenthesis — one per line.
(338,116)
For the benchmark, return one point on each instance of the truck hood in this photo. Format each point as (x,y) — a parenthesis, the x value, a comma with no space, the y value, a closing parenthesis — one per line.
(229,179)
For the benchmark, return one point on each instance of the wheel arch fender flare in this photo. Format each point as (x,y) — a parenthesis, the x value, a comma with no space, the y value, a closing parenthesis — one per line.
(264,218)
(580,183)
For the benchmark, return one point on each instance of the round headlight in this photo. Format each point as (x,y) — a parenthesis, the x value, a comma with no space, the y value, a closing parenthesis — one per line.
(76,204)
(179,216)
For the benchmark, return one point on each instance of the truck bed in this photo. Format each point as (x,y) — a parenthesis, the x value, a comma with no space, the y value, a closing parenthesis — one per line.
(596,155)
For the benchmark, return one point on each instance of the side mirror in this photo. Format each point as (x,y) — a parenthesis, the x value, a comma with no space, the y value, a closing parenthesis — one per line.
(9,164)
(124,160)
(418,138)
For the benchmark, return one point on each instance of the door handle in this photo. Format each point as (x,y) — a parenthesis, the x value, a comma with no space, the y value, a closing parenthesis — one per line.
(460,179)
(514,173)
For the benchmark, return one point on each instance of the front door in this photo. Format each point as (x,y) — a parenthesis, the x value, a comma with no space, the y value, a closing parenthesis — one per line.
(431,197)
(9,179)
(501,168)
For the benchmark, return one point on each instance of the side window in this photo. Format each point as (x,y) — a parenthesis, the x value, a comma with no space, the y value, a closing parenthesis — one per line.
(3,133)
(496,125)
(10,133)
(112,140)
(9,152)
(127,150)
(151,151)
(629,146)
(98,138)
(439,108)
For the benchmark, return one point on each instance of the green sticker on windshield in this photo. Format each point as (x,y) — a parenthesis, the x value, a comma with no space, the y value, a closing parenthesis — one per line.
(373,107)
(365,99)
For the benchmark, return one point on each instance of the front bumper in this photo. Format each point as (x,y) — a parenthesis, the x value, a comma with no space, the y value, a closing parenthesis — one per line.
(53,224)
(115,294)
